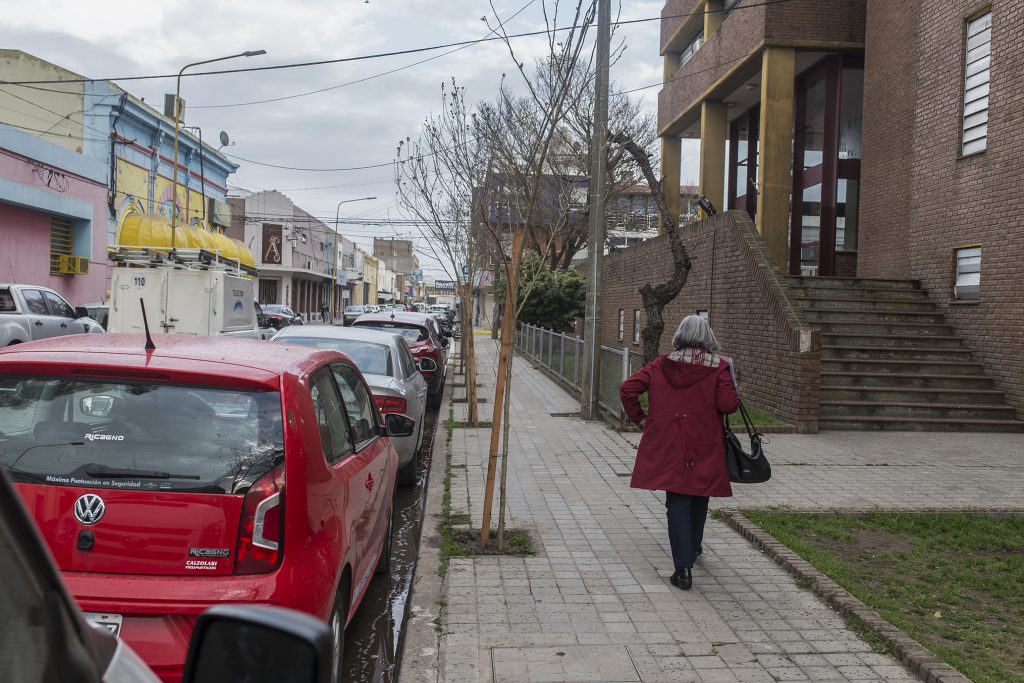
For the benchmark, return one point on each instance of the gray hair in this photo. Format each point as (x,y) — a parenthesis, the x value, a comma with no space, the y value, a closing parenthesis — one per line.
(695,333)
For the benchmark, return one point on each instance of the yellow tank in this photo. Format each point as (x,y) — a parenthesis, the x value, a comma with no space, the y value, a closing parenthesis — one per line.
(154,231)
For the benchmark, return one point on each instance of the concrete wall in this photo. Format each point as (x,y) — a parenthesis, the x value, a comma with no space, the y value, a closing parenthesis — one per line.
(778,361)
(45,113)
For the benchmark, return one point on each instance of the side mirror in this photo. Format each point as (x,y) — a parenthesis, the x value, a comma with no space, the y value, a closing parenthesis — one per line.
(259,644)
(445,342)
(96,406)
(399,425)
(81,312)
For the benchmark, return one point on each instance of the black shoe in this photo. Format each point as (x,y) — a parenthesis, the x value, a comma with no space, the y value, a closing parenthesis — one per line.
(683,578)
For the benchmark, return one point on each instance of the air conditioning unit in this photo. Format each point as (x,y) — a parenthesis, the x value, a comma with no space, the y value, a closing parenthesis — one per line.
(72,265)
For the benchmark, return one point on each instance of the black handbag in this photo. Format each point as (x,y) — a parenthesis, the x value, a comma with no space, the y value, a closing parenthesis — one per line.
(744,468)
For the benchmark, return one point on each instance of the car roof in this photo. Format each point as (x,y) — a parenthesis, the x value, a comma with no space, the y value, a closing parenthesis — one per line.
(247,360)
(408,317)
(337,332)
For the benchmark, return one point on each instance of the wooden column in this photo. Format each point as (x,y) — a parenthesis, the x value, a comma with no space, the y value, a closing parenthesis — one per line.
(713,131)
(671,159)
(774,172)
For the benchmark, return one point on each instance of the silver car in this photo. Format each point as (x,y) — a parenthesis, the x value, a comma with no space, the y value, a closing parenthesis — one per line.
(387,364)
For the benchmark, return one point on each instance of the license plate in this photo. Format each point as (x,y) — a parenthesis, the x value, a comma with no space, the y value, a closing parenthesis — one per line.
(111,622)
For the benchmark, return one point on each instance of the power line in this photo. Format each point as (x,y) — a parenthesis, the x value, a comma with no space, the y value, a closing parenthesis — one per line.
(393,53)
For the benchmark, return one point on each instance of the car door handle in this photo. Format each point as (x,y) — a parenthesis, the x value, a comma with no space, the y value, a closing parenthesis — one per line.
(64,325)
(369,482)
(39,323)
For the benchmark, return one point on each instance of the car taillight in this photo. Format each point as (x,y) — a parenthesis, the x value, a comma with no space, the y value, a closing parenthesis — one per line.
(391,404)
(261,529)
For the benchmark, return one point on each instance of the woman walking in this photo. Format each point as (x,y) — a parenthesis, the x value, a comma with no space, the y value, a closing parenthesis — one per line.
(682,450)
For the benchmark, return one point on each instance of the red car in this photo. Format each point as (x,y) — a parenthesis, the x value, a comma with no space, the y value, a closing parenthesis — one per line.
(429,346)
(207,471)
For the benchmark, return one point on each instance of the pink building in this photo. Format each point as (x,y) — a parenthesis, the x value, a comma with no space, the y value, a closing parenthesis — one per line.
(53,217)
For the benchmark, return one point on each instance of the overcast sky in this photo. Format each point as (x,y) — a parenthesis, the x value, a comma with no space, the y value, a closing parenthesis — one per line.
(355,125)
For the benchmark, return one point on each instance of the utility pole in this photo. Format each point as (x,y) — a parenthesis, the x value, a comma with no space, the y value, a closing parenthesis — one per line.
(590,407)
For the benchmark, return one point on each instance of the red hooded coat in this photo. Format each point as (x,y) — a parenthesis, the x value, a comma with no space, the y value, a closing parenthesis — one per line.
(683,446)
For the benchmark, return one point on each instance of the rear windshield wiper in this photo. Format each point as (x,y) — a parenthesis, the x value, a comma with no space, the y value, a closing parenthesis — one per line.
(94,470)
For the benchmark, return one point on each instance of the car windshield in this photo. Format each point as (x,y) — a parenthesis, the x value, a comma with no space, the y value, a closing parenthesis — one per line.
(370,357)
(354,309)
(412,333)
(137,435)
(275,309)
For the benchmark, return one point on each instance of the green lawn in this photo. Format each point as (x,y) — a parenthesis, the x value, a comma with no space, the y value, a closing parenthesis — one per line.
(952,581)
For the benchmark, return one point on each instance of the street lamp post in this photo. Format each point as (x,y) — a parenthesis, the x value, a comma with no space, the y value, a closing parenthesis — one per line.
(334,246)
(177,126)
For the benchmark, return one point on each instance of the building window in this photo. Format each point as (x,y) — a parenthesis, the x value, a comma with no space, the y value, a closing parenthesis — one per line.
(62,241)
(636,325)
(978,57)
(622,324)
(729,6)
(967,282)
(691,49)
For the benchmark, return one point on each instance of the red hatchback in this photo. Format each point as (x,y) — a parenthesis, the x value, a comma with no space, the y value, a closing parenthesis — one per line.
(207,471)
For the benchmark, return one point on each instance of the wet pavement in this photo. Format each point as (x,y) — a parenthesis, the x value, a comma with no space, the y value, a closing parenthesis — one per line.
(374,637)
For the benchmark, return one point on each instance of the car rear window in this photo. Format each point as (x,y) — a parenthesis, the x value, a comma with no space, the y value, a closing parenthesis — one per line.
(6,301)
(371,358)
(412,333)
(137,435)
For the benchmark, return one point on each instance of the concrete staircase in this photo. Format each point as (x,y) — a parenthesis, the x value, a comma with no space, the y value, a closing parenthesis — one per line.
(890,360)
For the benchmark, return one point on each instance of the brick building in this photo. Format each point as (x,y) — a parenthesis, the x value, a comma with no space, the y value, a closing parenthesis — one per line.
(874,146)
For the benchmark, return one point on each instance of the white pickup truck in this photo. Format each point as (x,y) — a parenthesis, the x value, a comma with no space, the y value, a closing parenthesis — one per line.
(28,312)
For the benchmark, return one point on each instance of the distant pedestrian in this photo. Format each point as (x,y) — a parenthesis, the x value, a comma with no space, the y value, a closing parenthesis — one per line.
(682,449)
(324,312)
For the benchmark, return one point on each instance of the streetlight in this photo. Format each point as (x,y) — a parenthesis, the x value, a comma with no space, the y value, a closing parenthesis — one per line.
(177,124)
(334,247)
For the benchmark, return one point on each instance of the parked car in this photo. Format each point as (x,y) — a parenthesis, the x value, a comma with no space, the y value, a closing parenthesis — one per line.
(389,368)
(47,638)
(420,307)
(207,471)
(429,346)
(279,316)
(350,314)
(28,313)
(444,310)
(99,312)
(371,308)
(263,326)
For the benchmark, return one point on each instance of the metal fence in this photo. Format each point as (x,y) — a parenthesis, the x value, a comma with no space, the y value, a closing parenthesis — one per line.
(562,354)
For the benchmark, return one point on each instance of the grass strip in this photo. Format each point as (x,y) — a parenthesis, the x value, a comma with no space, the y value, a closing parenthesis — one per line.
(952,581)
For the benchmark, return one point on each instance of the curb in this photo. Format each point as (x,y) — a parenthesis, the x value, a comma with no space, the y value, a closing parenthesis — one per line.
(915,657)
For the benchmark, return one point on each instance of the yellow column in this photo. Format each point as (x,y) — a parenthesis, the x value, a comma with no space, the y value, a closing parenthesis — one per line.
(671,66)
(713,15)
(671,159)
(713,126)
(774,171)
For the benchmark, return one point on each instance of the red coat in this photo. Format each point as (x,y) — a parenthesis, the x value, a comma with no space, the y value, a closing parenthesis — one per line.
(683,447)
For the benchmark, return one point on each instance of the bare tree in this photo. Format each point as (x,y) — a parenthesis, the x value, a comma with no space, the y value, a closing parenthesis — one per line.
(435,176)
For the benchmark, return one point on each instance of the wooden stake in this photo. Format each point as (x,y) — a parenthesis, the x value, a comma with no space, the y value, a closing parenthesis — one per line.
(507,326)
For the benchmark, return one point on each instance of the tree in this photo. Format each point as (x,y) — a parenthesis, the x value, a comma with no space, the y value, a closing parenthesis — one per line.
(435,176)
(557,297)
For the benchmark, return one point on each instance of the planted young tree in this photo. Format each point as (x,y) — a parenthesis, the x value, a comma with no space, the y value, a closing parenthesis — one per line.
(435,176)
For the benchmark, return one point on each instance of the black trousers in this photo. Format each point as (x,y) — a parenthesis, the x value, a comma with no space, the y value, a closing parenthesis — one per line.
(686,517)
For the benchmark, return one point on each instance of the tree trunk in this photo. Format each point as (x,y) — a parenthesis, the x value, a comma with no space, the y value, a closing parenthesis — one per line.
(656,297)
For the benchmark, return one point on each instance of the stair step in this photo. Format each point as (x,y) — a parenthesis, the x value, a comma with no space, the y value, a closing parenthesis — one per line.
(910,409)
(897,394)
(887,305)
(917,329)
(926,367)
(863,293)
(905,341)
(831,379)
(814,314)
(893,353)
(860,422)
(820,282)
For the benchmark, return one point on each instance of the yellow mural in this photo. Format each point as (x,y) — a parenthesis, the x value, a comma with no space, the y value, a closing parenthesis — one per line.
(136,194)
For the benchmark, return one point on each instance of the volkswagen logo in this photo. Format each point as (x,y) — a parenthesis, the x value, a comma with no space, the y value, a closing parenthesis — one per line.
(89,508)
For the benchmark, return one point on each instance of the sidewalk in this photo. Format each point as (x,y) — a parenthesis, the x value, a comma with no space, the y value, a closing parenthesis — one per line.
(594,605)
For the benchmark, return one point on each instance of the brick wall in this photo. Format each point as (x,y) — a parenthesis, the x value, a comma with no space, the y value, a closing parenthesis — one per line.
(840,21)
(890,62)
(674,14)
(957,200)
(778,361)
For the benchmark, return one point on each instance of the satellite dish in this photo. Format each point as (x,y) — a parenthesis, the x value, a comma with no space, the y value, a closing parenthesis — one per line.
(224,139)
